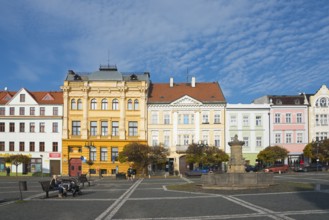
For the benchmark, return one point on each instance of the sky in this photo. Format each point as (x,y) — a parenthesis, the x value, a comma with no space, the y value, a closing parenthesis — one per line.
(251,48)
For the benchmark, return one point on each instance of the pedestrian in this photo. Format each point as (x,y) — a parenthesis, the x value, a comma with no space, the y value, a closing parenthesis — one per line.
(130,173)
(56,183)
(8,171)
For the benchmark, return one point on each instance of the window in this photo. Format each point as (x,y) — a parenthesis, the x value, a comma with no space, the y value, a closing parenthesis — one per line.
(233,120)
(217,140)
(277,118)
(11,146)
(115,104)
(21,111)
(73,104)
(41,146)
(55,111)
(42,110)
(155,137)
(32,127)
(2,127)
(258,120)
(104,127)
(93,154)
(21,146)
(2,146)
(42,127)
(93,128)
(32,110)
(75,127)
(277,138)
(103,154)
(22,97)
(299,118)
(79,104)
(323,120)
(166,137)
(245,120)
(322,102)
(93,104)
(185,139)
(166,119)
(12,110)
(317,120)
(55,146)
(104,104)
(32,146)
(205,118)
(136,104)
(258,141)
(299,138)
(115,128)
(114,154)
(132,128)
(11,127)
(2,110)
(186,119)
(130,104)
(246,141)
(55,127)
(288,138)
(154,118)
(217,118)
(288,118)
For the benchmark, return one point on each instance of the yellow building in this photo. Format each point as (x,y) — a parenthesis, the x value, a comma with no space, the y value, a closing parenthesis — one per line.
(103,111)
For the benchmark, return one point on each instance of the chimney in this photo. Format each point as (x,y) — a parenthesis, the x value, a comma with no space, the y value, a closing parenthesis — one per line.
(171,82)
(193,82)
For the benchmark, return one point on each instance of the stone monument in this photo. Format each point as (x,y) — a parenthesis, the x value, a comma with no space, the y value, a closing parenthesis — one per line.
(236,176)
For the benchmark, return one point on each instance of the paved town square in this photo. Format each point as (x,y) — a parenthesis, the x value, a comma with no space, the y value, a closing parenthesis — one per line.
(151,198)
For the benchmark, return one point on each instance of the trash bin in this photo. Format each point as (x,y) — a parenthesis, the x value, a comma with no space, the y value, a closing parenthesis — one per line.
(23,185)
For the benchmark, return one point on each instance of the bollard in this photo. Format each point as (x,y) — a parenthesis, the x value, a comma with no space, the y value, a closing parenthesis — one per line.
(22,187)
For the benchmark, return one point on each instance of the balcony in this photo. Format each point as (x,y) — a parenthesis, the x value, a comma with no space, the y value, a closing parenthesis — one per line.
(181,148)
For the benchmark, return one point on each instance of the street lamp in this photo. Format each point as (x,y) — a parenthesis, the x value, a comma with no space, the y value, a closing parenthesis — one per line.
(90,146)
(41,165)
(317,155)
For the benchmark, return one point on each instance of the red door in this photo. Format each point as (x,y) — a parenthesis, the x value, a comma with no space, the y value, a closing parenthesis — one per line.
(75,167)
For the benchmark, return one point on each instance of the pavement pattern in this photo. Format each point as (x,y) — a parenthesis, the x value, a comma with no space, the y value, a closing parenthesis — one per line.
(146,199)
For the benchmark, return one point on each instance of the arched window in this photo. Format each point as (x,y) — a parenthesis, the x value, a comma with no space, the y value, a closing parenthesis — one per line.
(79,104)
(73,104)
(115,104)
(322,102)
(104,104)
(136,104)
(93,104)
(130,104)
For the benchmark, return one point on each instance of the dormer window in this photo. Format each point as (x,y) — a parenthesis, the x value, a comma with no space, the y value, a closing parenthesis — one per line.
(297,102)
(278,102)
(22,97)
(133,77)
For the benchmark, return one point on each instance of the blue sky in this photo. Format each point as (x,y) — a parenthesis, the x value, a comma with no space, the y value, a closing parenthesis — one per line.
(252,48)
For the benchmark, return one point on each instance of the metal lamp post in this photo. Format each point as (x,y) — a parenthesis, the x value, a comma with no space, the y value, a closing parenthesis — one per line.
(90,146)
(41,165)
(317,156)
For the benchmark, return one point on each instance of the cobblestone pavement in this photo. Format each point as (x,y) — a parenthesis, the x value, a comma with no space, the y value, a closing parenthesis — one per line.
(151,199)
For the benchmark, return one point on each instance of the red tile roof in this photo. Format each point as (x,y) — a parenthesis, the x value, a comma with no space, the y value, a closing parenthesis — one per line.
(204,92)
(38,96)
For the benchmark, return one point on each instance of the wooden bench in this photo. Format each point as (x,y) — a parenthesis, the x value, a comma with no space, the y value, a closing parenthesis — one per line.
(46,187)
(83,179)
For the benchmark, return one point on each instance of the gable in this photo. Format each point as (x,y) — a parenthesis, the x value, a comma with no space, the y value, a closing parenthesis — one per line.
(17,99)
(186,100)
(48,97)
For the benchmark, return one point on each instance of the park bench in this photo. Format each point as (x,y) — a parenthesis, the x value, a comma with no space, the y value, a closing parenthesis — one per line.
(46,187)
(83,179)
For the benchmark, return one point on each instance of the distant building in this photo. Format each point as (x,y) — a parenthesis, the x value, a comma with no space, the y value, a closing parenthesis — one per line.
(180,114)
(288,123)
(103,111)
(251,123)
(319,114)
(31,124)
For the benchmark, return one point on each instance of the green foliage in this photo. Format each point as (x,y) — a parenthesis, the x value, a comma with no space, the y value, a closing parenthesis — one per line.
(207,156)
(317,150)
(271,154)
(158,155)
(18,159)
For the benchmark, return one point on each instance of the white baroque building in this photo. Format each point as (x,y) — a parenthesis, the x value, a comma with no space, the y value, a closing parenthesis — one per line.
(31,124)
(180,114)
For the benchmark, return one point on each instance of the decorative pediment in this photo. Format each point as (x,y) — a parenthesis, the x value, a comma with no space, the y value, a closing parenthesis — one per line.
(186,100)
(48,97)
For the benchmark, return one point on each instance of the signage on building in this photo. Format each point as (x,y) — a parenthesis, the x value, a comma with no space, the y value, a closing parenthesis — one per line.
(54,155)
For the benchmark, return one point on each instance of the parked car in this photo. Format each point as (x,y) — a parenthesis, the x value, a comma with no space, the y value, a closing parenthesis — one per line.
(249,168)
(277,168)
(309,168)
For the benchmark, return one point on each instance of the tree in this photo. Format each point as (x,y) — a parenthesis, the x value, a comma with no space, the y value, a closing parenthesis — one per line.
(317,150)
(158,155)
(272,154)
(18,159)
(136,153)
(205,155)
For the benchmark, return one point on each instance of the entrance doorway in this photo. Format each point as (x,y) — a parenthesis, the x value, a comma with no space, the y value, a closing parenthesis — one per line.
(55,167)
(182,165)
(75,167)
